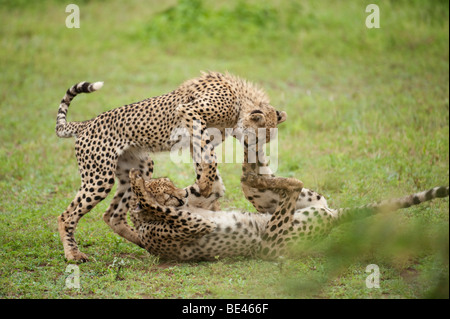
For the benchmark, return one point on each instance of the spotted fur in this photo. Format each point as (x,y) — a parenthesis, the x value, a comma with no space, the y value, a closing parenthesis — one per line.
(264,200)
(184,232)
(112,143)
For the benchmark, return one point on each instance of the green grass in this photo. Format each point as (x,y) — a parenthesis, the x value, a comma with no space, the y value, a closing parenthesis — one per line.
(368,118)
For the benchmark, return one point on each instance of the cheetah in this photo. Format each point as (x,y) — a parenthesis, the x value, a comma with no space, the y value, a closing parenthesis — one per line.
(112,143)
(172,229)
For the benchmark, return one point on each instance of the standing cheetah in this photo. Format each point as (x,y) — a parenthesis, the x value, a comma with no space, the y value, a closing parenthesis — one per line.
(112,143)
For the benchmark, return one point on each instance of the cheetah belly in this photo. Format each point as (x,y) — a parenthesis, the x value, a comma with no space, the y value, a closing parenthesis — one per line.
(312,221)
(236,234)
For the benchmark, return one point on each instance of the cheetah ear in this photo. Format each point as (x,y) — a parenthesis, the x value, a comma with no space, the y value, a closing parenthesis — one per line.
(258,117)
(281,116)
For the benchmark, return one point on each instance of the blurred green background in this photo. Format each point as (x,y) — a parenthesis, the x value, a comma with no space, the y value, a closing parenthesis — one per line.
(368,119)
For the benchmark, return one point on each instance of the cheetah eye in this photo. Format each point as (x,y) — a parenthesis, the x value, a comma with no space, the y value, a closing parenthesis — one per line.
(256,112)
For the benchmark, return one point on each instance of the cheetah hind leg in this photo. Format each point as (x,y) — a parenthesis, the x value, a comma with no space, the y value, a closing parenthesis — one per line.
(116,214)
(87,197)
(279,228)
(268,182)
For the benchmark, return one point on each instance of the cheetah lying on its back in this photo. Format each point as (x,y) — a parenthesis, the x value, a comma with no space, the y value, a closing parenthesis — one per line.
(169,227)
(112,143)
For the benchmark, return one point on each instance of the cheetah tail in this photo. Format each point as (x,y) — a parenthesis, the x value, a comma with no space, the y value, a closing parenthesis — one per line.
(397,203)
(64,129)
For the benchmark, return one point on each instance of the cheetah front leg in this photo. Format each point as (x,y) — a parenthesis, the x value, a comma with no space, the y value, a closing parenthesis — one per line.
(181,224)
(264,199)
(202,148)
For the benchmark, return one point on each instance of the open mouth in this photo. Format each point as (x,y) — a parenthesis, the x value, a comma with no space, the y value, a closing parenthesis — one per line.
(138,208)
(172,199)
(180,202)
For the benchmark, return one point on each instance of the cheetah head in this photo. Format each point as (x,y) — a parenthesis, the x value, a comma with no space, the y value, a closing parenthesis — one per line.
(164,192)
(262,117)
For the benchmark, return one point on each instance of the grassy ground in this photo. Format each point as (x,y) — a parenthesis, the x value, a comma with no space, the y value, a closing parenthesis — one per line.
(368,119)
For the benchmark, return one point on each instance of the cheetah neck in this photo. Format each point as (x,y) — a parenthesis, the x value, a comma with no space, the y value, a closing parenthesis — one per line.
(245,91)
